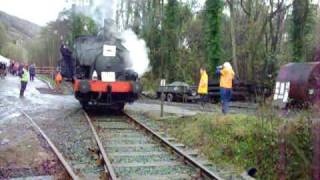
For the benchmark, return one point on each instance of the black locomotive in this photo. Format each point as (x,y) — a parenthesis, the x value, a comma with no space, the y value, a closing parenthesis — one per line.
(100,73)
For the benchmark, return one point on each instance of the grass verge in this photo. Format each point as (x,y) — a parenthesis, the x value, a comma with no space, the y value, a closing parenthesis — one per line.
(47,79)
(242,141)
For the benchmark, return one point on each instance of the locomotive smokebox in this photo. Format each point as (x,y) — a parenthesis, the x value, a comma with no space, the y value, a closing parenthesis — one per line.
(304,79)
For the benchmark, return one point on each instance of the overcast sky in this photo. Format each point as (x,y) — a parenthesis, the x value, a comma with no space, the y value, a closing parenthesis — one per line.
(36,11)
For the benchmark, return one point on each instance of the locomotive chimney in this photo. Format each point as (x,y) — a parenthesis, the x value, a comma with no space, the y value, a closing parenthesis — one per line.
(108,28)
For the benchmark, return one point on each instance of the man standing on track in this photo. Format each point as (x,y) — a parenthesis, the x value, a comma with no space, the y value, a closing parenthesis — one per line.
(25,76)
(226,77)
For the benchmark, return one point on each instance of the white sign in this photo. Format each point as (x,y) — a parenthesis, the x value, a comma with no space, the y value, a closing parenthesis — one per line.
(162,82)
(109,51)
(108,76)
(282,91)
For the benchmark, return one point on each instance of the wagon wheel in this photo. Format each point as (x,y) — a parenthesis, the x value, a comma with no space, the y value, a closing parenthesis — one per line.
(184,98)
(169,97)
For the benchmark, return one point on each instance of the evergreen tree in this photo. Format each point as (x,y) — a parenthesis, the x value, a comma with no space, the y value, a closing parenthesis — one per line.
(300,13)
(170,38)
(213,16)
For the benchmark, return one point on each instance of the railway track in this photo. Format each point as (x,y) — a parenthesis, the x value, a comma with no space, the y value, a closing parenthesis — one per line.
(71,145)
(131,150)
(128,149)
(61,158)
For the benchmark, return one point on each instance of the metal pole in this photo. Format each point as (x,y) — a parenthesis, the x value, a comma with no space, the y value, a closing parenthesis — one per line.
(162,97)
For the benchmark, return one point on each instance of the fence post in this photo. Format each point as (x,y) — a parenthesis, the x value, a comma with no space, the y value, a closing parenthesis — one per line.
(282,152)
(316,145)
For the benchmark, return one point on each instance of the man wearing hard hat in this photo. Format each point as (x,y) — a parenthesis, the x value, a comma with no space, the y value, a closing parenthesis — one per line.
(226,77)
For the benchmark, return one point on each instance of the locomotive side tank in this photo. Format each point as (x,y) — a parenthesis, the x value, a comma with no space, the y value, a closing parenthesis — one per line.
(102,75)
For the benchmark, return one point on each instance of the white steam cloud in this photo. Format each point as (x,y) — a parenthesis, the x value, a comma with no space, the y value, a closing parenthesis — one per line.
(98,10)
(102,9)
(137,59)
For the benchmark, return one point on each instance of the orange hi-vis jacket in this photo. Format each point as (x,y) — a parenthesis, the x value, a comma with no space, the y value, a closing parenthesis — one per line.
(203,85)
(227,75)
(58,77)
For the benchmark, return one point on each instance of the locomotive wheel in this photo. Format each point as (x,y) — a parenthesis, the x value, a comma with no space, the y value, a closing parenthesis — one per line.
(84,104)
(169,97)
(184,98)
(119,107)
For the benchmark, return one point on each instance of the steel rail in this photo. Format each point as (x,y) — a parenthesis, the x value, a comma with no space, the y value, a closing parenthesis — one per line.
(107,164)
(53,147)
(204,172)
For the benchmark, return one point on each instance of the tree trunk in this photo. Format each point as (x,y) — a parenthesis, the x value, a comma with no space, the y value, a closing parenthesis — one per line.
(233,38)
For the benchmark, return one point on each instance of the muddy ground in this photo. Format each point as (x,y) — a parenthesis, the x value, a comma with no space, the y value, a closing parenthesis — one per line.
(23,152)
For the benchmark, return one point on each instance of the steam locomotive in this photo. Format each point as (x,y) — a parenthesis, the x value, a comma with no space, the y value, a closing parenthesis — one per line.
(99,71)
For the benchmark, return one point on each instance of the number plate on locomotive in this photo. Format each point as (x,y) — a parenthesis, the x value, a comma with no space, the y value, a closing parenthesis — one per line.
(109,51)
(108,76)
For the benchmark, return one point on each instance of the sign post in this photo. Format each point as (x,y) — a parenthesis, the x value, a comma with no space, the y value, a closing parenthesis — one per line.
(162,85)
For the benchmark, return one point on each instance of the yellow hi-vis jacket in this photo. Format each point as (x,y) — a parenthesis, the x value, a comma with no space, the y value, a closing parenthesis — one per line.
(226,77)
(25,76)
(203,85)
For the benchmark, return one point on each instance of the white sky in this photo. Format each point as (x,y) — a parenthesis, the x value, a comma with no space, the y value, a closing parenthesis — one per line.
(39,11)
(36,11)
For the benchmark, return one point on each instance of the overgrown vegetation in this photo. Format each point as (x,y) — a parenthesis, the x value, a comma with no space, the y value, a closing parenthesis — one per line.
(245,141)
(12,49)
(256,36)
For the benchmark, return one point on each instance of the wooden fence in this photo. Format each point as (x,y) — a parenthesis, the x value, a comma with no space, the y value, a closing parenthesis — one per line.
(45,70)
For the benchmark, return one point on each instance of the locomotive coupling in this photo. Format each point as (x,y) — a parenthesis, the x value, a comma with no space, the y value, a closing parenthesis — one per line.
(136,87)
(84,86)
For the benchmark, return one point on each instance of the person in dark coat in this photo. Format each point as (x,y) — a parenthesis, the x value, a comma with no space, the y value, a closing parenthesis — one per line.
(20,69)
(11,67)
(67,61)
(32,71)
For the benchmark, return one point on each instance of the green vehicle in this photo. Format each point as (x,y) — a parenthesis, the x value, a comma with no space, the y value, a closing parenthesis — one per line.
(177,91)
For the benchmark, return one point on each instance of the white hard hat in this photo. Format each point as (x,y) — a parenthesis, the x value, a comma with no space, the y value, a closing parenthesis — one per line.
(227,65)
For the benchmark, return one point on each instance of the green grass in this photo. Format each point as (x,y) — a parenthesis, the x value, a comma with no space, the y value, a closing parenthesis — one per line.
(242,141)
(47,79)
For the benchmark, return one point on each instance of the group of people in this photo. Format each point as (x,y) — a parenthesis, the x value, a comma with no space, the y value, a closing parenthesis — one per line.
(226,74)
(16,69)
